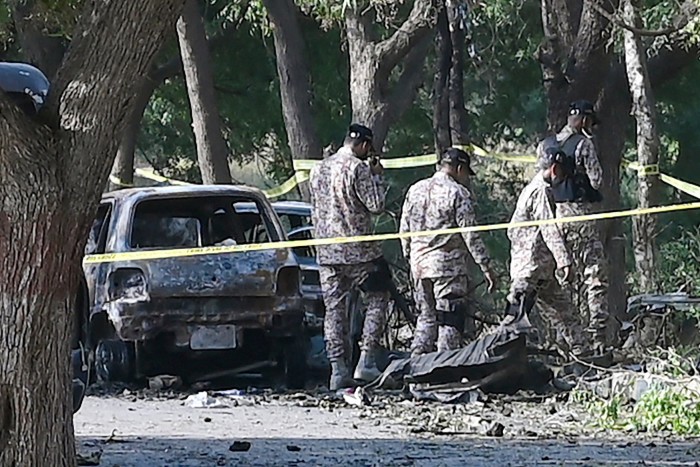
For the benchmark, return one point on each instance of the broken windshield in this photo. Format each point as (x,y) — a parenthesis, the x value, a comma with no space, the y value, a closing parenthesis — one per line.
(195,222)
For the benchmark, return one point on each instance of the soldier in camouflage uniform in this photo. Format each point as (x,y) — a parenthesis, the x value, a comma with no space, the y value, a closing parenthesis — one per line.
(538,252)
(345,192)
(439,262)
(583,238)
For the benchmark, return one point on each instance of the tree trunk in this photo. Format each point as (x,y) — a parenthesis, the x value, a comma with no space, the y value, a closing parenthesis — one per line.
(375,101)
(52,171)
(212,152)
(459,120)
(123,168)
(295,82)
(441,82)
(644,110)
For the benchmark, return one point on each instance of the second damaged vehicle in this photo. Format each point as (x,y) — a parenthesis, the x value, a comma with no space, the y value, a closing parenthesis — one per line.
(181,312)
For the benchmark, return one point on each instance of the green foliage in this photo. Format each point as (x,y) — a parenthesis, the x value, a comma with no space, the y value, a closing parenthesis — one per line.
(671,410)
(667,410)
(680,266)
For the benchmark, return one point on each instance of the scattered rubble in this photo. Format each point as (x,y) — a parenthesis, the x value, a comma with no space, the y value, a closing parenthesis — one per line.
(160,382)
(202,400)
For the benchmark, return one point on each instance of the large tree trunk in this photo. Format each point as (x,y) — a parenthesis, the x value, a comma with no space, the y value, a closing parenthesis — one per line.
(212,152)
(52,170)
(295,81)
(441,82)
(375,102)
(644,110)
(459,120)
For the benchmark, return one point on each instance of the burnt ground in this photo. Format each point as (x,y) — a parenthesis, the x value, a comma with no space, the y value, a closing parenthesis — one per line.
(145,428)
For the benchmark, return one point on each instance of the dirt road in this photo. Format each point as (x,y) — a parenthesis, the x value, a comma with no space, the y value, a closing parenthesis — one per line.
(141,430)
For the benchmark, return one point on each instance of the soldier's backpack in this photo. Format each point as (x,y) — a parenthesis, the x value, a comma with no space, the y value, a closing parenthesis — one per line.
(577,186)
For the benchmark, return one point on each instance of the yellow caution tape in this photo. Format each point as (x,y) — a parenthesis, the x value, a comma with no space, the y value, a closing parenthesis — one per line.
(116,181)
(643,170)
(685,187)
(184,252)
(289,185)
(302,168)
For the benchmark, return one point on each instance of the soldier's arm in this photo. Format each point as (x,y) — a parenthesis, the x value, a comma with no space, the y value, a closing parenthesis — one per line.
(552,234)
(466,217)
(587,153)
(370,189)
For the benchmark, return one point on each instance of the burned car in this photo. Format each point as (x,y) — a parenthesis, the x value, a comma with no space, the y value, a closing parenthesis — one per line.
(170,312)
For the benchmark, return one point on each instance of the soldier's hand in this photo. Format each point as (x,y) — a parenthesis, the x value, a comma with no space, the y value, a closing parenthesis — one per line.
(491,280)
(564,274)
(376,166)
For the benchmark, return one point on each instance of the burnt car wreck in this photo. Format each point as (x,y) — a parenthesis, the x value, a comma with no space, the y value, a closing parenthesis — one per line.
(236,311)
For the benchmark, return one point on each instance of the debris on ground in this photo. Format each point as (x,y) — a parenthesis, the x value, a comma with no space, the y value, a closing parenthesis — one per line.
(240,446)
(92,457)
(357,397)
(495,429)
(202,400)
(160,382)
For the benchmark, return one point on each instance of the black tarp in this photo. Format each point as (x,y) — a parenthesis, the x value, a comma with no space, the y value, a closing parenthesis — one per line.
(497,363)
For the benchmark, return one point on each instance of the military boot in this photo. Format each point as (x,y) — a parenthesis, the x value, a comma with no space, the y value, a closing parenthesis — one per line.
(366,369)
(340,376)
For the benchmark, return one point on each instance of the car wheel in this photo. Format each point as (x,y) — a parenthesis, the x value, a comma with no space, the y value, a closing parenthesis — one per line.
(294,363)
(114,361)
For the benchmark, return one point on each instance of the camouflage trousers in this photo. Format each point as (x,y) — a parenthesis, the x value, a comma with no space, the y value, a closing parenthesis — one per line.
(337,282)
(589,286)
(555,309)
(434,296)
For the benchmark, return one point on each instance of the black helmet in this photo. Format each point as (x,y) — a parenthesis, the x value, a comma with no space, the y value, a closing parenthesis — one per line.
(21,79)
(360,133)
(583,107)
(554,155)
(455,156)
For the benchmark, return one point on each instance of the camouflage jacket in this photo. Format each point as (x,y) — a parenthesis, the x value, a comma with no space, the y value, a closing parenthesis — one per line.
(536,251)
(584,151)
(344,195)
(440,202)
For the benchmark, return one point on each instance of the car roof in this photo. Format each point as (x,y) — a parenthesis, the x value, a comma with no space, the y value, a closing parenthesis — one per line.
(182,191)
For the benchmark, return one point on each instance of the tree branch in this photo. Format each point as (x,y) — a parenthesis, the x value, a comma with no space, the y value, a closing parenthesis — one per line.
(689,11)
(419,24)
(94,91)
(358,27)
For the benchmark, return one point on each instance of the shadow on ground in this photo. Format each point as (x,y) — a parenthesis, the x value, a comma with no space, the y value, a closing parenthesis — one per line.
(149,451)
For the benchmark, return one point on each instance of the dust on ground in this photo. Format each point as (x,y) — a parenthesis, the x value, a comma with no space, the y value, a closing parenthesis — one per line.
(148,428)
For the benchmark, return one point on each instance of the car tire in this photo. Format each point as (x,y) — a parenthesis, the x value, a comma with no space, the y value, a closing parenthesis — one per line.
(114,361)
(294,363)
